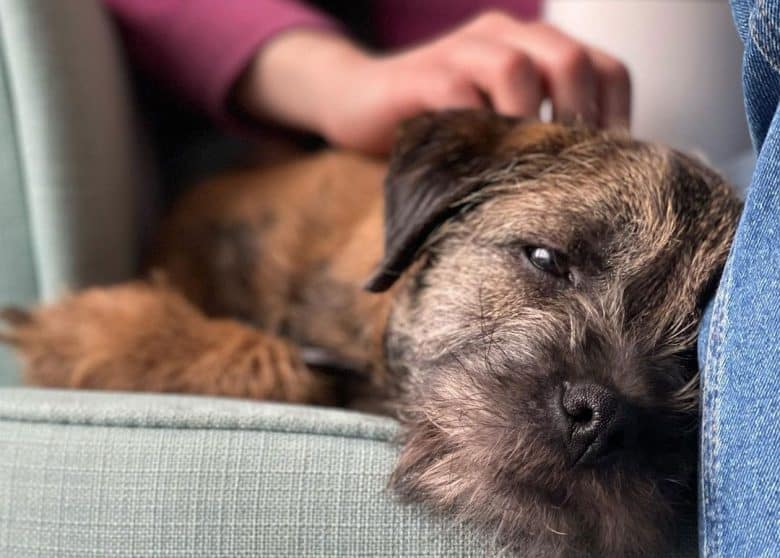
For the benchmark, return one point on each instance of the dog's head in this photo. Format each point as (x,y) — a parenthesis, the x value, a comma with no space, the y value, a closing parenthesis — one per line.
(552,280)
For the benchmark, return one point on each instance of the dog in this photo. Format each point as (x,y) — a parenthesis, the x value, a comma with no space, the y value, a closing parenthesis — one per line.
(530,317)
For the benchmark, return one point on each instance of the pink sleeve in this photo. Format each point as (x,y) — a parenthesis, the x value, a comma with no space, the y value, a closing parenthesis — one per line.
(400,23)
(199,48)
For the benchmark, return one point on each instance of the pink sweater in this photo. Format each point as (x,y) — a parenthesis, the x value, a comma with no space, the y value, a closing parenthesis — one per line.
(199,48)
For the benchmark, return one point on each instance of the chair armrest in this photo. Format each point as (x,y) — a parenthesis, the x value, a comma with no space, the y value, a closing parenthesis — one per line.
(118,474)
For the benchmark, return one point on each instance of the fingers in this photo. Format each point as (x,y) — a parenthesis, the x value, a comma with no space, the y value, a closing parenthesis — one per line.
(569,74)
(494,62)
(614,84)
(506,76)
(516,65)
(452,89)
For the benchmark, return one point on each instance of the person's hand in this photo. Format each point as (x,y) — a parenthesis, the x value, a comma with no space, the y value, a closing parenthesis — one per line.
(323,83)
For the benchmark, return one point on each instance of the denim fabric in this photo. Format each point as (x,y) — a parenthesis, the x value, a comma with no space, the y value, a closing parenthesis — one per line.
(740,343)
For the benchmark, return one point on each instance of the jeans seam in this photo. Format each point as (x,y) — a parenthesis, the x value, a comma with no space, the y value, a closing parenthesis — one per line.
(759,39)
(714,357)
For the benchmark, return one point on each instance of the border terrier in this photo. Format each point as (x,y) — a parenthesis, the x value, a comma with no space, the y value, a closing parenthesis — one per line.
(530,318)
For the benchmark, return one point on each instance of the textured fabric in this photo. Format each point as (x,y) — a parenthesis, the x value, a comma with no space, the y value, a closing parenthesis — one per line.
(69,166)
(17,271)
(199,48)
(400,23)
(117,474)
(74,142)
(739,346)
(100,474)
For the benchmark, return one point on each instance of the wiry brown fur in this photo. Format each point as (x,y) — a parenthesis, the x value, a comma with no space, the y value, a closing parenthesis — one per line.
(468,343)
(149,338)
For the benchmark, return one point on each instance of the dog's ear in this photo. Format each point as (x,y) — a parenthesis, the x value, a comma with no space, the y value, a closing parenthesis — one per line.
(439,160)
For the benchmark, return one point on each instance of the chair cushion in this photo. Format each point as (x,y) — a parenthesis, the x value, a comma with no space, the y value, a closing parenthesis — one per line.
(124,474)
(116,474)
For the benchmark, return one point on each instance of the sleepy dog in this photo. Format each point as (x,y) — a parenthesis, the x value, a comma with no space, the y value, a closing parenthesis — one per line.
(530,317)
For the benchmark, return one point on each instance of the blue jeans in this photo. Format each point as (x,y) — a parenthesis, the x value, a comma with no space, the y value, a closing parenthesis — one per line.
(739,345)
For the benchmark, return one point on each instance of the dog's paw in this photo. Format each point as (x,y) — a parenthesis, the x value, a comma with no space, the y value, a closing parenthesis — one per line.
(55,341)
(99,338)
(147,337)
(11,319)
(15,316)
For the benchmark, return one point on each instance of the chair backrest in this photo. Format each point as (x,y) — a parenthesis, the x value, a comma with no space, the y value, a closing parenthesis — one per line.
(71,170)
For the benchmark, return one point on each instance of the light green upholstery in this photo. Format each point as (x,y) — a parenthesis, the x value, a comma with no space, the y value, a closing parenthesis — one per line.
(69,164)
(103,474)
(17,274)
(114,474)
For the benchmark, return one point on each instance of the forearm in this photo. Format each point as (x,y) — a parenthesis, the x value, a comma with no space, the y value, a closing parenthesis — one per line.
(199,48)
(294,78)
(322,82)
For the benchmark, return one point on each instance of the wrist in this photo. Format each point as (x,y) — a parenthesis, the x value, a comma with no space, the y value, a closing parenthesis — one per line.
(298,77)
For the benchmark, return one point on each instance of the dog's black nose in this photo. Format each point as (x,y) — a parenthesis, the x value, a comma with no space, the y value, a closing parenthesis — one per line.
(594,422)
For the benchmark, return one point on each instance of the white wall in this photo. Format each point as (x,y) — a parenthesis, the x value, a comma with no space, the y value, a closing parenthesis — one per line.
(685,60)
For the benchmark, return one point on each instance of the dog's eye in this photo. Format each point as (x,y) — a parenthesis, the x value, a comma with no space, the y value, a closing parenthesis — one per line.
(549,261)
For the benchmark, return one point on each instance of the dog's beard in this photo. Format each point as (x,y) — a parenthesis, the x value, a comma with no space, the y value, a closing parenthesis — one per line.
(479,447)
